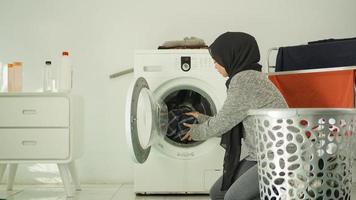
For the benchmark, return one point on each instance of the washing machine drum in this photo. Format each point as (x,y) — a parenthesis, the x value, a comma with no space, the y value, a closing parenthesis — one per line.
(179,103)
(147,117)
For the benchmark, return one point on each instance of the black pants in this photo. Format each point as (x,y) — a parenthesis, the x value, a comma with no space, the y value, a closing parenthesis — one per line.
(244,188)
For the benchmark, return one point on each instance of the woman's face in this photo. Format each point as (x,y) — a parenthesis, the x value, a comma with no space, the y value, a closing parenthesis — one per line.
(220,69)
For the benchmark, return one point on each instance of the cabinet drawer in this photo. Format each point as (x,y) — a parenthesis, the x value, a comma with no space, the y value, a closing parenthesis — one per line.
(34,112)
(34,144)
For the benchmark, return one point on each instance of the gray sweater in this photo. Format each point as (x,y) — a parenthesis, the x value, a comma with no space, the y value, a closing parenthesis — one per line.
(247,90)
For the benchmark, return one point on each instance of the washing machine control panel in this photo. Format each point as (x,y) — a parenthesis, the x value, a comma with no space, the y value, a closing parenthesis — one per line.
(185,63)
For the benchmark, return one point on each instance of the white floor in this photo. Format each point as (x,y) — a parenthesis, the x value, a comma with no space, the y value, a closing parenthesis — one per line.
(89,192)
(93,192)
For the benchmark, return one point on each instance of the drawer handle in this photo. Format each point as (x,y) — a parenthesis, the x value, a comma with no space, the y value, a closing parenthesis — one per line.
(29,143)
(29,112)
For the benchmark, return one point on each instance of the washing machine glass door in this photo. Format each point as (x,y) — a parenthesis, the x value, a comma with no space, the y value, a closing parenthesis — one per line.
(146,120)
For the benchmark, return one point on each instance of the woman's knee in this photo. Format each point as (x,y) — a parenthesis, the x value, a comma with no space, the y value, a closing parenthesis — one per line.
(212,194)
(230,196)
(216,194)
(236,196)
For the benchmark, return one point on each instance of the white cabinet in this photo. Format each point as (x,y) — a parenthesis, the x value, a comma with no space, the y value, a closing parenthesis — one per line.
(34,111)
(41,127)
(34,144)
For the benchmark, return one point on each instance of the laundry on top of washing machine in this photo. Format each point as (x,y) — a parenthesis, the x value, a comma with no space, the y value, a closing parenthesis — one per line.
(186,43)
(179,103)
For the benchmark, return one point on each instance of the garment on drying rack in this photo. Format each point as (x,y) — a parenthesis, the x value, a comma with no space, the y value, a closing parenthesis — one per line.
(330,89)
(317,54)
(331,40)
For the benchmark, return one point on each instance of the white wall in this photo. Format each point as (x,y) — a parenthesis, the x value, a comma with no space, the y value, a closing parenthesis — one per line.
(101,36)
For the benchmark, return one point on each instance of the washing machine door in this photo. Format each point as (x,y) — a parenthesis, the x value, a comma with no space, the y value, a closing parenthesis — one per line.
(146,120)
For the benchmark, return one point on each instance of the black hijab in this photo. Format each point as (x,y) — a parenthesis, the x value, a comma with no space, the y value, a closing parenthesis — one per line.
(236,52)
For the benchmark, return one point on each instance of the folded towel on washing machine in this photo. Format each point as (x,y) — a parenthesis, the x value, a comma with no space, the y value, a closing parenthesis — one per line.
(186,43)
(176,118)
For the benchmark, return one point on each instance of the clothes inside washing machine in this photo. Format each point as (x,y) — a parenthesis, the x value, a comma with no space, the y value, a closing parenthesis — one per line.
(179,103)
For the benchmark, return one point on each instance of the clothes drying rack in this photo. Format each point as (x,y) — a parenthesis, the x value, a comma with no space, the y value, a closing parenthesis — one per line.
(330,69)
(270,67)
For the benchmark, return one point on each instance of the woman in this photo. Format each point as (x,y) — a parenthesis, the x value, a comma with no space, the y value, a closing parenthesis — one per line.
(236,56)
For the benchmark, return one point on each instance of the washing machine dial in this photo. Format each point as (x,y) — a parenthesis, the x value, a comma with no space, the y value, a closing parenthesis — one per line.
(185,67)
(185,63)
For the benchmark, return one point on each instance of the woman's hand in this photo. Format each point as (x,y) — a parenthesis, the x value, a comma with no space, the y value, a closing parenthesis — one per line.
(194,114)
(188,135)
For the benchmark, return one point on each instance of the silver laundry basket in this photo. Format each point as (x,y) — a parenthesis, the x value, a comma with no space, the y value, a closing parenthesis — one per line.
(304,153)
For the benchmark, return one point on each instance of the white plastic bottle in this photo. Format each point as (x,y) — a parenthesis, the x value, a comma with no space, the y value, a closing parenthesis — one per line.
(1,77)
(47,77)
(65,74)
(4,87)
(18,76)
(10,78)
(4,78)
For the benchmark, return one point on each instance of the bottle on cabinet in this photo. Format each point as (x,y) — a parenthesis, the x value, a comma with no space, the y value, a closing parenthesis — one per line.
(65,73)
(48,80)
(4,85)
(10,77)
(4,78)
(1,77)
(15,77)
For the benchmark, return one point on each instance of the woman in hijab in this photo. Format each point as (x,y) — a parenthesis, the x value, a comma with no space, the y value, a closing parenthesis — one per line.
(236,56)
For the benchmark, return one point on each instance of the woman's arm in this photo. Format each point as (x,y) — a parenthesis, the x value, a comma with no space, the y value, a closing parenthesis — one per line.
(202,118)
(248,90)
(233,111)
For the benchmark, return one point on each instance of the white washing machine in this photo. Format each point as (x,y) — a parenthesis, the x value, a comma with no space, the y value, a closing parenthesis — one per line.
(164,164)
